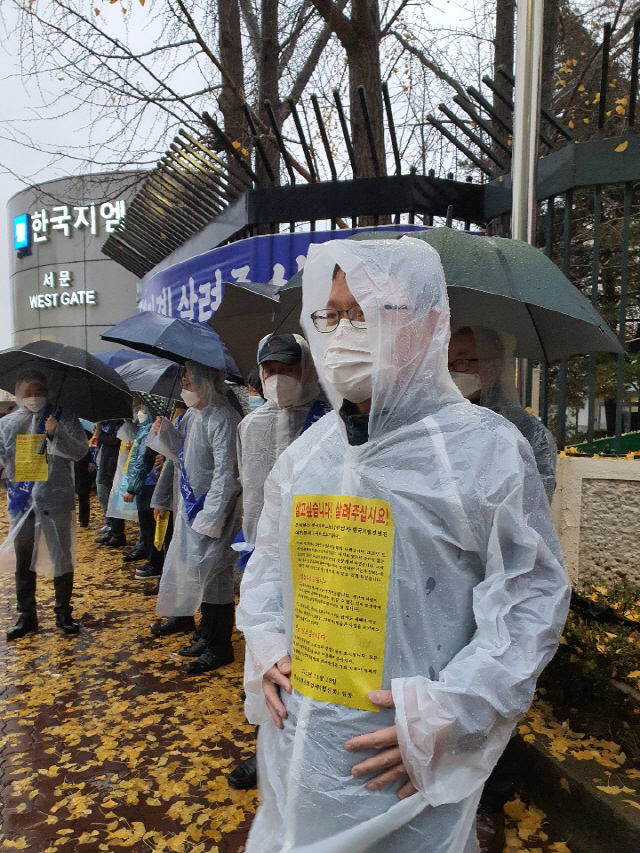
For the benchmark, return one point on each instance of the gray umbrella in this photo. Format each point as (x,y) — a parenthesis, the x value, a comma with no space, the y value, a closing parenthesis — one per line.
(512,287)
(155,376)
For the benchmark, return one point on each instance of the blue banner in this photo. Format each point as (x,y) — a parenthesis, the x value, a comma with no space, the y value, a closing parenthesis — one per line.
(193,289)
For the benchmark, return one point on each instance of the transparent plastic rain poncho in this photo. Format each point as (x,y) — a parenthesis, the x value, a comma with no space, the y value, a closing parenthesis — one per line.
(53,501)
(477,597)
(117,508)
(497,372)
(199,563)
(264,434)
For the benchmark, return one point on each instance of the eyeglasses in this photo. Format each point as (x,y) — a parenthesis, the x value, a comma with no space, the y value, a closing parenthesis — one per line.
(327,321)
(462,365)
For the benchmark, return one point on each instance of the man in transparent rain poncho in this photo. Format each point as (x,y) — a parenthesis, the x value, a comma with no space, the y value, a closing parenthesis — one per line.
(407,586)
(200,483)
(41,501)
(293,403)
(483,368)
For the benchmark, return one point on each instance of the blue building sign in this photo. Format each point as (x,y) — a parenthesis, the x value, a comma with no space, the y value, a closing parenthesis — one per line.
(21,232)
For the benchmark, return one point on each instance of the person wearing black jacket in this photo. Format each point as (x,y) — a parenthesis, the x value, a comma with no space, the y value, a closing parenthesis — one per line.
(108,450)
(85,477)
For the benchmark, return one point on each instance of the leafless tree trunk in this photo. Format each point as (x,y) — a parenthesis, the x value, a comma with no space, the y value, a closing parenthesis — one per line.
(360,36)
(230,47)
(503,56)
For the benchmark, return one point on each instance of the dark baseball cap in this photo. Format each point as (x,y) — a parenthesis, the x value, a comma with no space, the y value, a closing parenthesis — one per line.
(283,348)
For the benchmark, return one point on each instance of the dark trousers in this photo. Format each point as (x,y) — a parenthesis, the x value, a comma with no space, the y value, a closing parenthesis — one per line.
(26,578)
(147,525)
(116,525)
(500,786)
(84,508)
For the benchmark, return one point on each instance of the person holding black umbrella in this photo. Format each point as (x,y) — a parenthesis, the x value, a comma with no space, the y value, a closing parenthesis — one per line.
(202,462)
(41,499)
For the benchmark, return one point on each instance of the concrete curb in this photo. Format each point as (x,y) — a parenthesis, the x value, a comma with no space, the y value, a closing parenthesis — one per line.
(588,820)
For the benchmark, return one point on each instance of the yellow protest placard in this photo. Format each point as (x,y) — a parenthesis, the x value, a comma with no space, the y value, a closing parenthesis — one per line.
(31,466)
(341,549)
(162,524)
(126,464)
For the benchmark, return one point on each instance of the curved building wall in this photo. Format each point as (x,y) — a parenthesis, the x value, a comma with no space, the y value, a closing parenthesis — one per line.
(64,289)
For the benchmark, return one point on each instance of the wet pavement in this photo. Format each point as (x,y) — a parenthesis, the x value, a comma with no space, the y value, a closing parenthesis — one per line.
(105,746)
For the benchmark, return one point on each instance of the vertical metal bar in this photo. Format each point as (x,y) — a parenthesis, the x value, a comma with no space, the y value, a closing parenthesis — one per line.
(526,118)
(595,275)
(259,145)
(562,374)
(325,138)
(604,76)
(544,372)
(633,87)
(369,129)
(303,140)
(281,146)
(622,309)
(467,222)
(228,147)
(392,128)
(345,132)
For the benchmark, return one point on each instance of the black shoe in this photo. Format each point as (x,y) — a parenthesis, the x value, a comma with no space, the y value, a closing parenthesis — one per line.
(490,830)
(195,650)
(245,776)
(147,573)
(26,624)
(151,590)
(174,625)
(212,658)
(116,542)
(85,525)
(66,623)
(102,540)
(137,553)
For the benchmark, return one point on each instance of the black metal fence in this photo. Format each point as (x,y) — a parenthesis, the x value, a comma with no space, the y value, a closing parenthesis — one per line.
(588,217)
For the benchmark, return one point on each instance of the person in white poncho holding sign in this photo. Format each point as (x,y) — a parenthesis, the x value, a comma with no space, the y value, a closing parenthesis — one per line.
(407,586)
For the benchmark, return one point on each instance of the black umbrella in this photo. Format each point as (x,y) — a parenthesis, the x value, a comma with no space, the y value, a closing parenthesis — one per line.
(78,382)
(155,376)
(175,339)
(248,312)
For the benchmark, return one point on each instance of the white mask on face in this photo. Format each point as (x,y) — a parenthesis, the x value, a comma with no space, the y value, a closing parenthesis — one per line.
(282,390)
(190,398)
(467,383)
(347,362)
(143,417)
(34,404)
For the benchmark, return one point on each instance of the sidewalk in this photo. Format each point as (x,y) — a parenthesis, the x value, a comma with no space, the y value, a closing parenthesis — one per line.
(105,747)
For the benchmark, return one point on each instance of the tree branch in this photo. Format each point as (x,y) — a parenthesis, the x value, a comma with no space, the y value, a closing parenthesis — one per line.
(440,73)
(335,18)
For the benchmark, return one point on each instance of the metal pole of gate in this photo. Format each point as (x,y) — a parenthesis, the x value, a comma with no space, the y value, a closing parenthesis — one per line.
(525,139)
(526,118)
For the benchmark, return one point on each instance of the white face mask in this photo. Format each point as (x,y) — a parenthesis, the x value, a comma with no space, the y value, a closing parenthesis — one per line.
(190,398)
(34,404)
(142,417)
(282,390)
(347,362)
(467,383)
